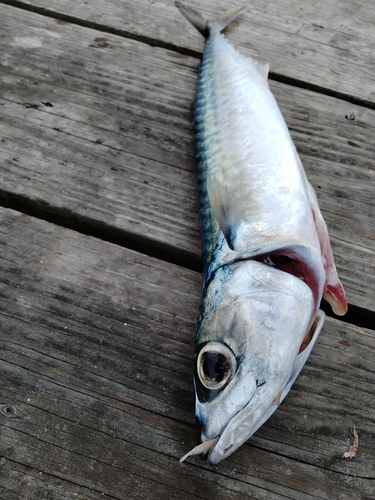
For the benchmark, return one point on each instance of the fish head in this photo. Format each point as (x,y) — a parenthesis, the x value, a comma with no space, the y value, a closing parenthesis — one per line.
(253,322)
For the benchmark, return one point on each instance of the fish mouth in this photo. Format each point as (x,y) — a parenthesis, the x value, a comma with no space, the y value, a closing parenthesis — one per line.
(208,447)
(202,449)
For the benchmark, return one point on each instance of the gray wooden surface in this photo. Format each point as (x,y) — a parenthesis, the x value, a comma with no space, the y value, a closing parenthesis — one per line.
(100,253)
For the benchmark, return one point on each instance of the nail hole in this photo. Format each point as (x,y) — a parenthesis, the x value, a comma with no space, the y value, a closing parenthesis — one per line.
(7,410)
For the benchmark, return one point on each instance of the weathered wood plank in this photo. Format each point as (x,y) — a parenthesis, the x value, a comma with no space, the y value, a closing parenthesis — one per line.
(328,44)
(96,395)
(92,117)
(100,128)
(29,483)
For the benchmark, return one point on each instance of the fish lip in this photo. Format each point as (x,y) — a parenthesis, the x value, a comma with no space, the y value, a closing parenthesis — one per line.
(208,454)
(200,430)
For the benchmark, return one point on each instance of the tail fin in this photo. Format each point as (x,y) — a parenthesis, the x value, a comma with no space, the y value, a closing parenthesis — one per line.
(204,25)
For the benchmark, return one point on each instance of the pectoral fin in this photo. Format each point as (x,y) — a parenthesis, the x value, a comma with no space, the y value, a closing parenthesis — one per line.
(333,290)
(224,206)
(306,348)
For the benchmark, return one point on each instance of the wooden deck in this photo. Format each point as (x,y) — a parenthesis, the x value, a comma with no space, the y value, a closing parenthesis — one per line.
(100,253)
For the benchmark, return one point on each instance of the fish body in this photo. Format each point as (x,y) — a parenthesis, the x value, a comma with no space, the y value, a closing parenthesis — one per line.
(266,252)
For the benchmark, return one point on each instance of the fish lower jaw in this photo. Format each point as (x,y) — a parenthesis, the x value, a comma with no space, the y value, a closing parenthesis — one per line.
(240,428)
(217,452)
(216,456)
(212,456)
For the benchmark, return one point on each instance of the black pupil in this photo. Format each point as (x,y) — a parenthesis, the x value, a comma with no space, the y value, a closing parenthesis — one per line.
(215,366)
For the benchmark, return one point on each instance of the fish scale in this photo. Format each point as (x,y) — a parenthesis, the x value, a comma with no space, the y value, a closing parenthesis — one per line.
(266,251)
(237,122)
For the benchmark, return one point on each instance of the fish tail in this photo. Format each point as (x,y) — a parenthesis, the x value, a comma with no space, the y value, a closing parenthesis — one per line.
(203,25)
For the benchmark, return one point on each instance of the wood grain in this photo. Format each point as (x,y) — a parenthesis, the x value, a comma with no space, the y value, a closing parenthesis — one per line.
(97,340)
(96,362)
(321,43)
(106,136)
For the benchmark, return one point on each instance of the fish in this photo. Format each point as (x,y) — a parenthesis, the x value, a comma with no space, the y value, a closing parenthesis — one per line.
(266,252)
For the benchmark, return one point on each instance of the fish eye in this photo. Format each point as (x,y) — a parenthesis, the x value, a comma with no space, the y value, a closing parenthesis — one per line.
(215,364)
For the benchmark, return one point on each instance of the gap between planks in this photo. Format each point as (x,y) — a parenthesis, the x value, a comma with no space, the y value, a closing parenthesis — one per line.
(96,378)
(356,315)
(89,226)
(153,42)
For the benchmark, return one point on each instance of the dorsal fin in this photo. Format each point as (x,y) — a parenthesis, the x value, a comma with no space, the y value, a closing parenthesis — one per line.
(262,68)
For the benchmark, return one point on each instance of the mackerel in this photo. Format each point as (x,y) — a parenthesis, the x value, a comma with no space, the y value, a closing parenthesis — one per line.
(266,251)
